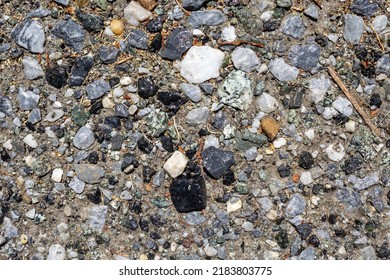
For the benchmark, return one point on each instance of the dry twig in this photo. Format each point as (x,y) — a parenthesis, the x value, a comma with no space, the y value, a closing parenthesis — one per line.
(123,60)
(238,43)
(354,102)
(376,35)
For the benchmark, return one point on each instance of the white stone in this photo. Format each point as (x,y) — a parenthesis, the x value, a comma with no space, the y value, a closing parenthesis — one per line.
(335,152)
(329,113)
(229,34)
(201,63)
(56,252)
(266,103)
(266,16)
(125,81)
(343,105)
(270,255)
(318,88)
(30,141)
(32,69)
(108,32)
(245,59)
(135,12)
(31,214)
(197,32)
(176,164)
(310,134)
(56,175)
(229,132)
(8,145)
(282,70)
(233,206)
(306,178)
(350,126)
(108,103)
(379,23)
(211,140)
(210,251)
(280,142)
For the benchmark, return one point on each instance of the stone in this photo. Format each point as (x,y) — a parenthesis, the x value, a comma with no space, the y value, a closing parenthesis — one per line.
(56,252)
(193,92)
(71,33)
(91,22)
(117,26)
(32,69)
(8,229)
(81,67)
(56,175)
(383,65)
(201,63)
(97,89)
(364,7)
(6,105)
(379,23)
(193,5)
(308,254)
(89,173)
(194,218)
(108,55)
(30,35)
(284,170)
(305,57)
(31,214)
(77,185)
(349,197)
(84,138)
(366,182)
(229,34)
(57,76)
(211,140)
(156,24)
(282,70)
(296,99)
(292,25)
(207,17)
(176,164)
(210,251)
(62,2)
(343,105)
(134,13)
(188,193)
(311,11)
(256,139)
(245,59)
(353,28)
(368,253)
(295,206)
(352,164)
(121,110)
(217,162)
(233,205)
(318,88)
(28,100)
(157,123)
(146,87)
(34,116)
(138,39)
(270,127)
(172,100)
(335,152)
(97,218)
(236,91)
(267,103)
(40,12)
(176,44)
(198,116)
(306,178)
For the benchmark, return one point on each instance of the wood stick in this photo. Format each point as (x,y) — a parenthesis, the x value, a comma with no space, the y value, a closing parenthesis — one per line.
(354,102)
(237,43)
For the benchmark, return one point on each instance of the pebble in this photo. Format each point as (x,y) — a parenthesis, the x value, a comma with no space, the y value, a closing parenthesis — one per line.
(30,35)
(30,141)
(267,103)
(233,205)
(245,59)
(335,152)
(311,11)
(176,164)
(89,173)
(368,253)
(8,229)
(28,100)
(146,87)
(84,138)
(270,127)
(97,89)
(236,91)
(350,126)
(318,88)
(210,251)
(379,23)
(193,5)
(194,218)
(77,185)
(34,116)
(32,69)
(207,17)
(383,65)
(108,55)
(201,63)
(193,92)
(353,28)
(228,34)
(97,217)
(292,25)
(117,26)
(366,182)
(81,67)
(306,178)
(295,206)
(91,22)
(305,56)
(177,43)
(217,162)
(56,175)
(71,32)
(270,255)
(211,140)
(31,214)
(198,116)
(308,254)
(247,226)
(343,105)
(138,39)
(364,7)
(283,71)
(188,194)
(54,115)
(56,76)
(134,13)
(251,154)
(56,252)
(6,105)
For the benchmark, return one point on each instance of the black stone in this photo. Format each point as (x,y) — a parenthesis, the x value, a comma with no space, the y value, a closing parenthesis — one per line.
(158,221)
(166,142)
(306,160)
(95,197)
(271,25)
(4,155)
(177,43)
(203,132)
(352,164)
(146,87)
(340,232)
(148,173)
(219,120)
(228,178)
(113,81)
(282,239)
(89,21)
(144,224)
(156,24)
(57,76)
(340,119)
(116,142)
(383,253)
(81,67)
(108,55)
(129,160)
(194,5)
(16,53)
(217,162)
(144,145)
(375,100)
(121,110)
(172,101)
(93,157)
(332,219)
(155,44)
(364,7)
(96,107)
(284,170)
(321,40)
(112,121)
(130,223)
(304,230)
(138,39)
(113,180)
(296,99)
(314,241)
(317,188)
(388,143)
(71,32)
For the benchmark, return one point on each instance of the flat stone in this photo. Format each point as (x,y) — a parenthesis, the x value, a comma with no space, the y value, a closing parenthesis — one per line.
(236,91)
(383,65)
(62,2)
(30,35)
(89,173)
(292,25)
(194,218)
(198,116)
(217,162)
(97,89)
(368,253)
(207,17)
(343,105)
(366,182)
(305,57)
(77,185)
(71,32)
(282,70)
(379,23)
(353,28)
(267,103)
(245,59)
(311,11)
(81,67)
(35,116)
(270,127)
(134,13)
(32,69)
(349,197)
(188,194)
(84,138)
(97,218)
(56,175)
(364,7)
(193,5)
(91,22)
(193,92)
(318,88)
(56,252)
(308,254)
(6,105)
(201,63)
(108,55)
(335,152)
(138,39)
(295,206)
(176,164)
(40,12)
(28,100)
(176,44)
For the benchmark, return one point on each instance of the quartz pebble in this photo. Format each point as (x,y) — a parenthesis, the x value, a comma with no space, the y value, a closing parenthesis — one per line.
(134,13)
(176,164)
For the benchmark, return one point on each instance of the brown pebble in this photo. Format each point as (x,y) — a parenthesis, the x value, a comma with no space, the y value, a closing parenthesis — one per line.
(270,126)
(148,4)
(117,26)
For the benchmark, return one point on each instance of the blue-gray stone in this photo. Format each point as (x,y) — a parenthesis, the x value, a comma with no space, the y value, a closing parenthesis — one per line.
(31,68)
(108,54)
(295,206)
(193,5)
(84,138)
(208,17)
(366,182)
(353,28)
(308,254)
(193,92)
(34,116)
(80,70)
(5,47)
(364,7)
(5,105)
(71,32)
(312,11)
(349,197)
(97,89)
(62,2)
(305,57)
(28,100)
(217,161)
(194,218)
(40,12)
(89,173)
(8,229)
(177,43)
(292,25)
(97,218)
(30,35)
(383,65)
(138,39)
(77,185)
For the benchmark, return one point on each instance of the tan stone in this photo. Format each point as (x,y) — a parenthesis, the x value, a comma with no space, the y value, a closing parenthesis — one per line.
(270,126)
(117,26)
(148,4)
